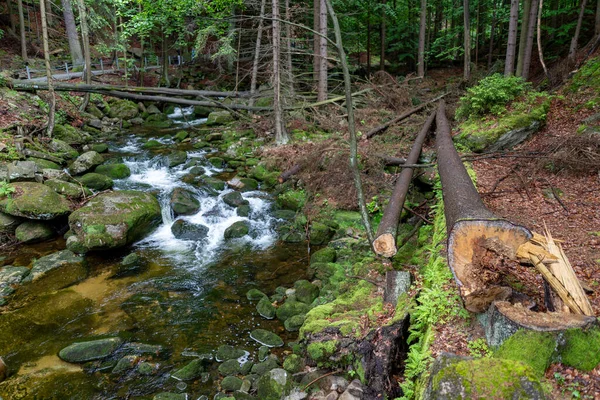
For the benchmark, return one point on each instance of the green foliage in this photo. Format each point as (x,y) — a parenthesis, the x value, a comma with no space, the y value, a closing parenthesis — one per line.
(479,348)
(588,76)
(6,189)
(491,95)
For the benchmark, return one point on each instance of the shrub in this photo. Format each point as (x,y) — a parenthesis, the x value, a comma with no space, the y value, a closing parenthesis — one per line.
(491,95)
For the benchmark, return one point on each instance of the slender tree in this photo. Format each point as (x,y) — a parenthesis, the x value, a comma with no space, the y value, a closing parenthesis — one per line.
(529,42)
(253,81)
(492,32)
(539,39)
(422,32)
(22,31)
(382,38)
(597,30)
(523,36)
(288,40)
(467,41)
(573,47)
(86,49)
(50,126)
(316,40)
(322,87)
(281,136)
(72,35)
(509,66)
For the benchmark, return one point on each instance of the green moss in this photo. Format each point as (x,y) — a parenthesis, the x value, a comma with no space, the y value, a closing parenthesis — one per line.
(581,349)
(588,76)
(532,348)
(320,351)
(292,200)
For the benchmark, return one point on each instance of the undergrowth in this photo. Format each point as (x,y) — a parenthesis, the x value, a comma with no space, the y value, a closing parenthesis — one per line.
(436,303)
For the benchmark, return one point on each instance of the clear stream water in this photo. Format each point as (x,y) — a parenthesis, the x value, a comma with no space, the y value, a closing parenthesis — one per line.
(187,296)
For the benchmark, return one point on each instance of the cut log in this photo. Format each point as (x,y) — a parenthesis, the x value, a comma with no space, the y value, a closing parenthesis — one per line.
(285,175)
(391,161)
(402,116)
(469,224)
(503,319)
(385,238)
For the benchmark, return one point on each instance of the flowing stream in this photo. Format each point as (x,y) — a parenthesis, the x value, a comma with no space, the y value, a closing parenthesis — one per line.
(187,296)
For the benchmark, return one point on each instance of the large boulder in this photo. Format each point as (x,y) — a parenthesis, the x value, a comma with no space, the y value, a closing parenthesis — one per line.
(86,162)
(63,148)
(113,220)
(237,230)
(188,231)
(33,232)
(20,171)
(219,118)
(274,385)
(114,171)
(67,188)
(123,109)
(34,201)
(96,181)
(184,202)
(70,135)
(89,351)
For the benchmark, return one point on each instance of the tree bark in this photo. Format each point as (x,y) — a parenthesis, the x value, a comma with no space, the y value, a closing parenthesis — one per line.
(322,87)
(539,40)
(50,126)
(523,37)
(72,35)
(22,31)
(281,136)
(351,125)
(382,39)
(385,238)
(288,40)
(469,223)
(316,40)
(492,31)
(573,47)
(467,41)
(253,81)
(49,15)
(529,43)
(509,67)
(422,31)
(597,25)
(86,50)
(369,41)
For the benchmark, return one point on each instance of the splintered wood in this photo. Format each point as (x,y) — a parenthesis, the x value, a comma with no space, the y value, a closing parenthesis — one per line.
(550,260)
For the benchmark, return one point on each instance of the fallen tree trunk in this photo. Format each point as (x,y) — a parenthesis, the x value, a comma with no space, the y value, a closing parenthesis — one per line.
(385,238)
(82,87)
(471,227)
(391,161)
(285,175)
(402,116)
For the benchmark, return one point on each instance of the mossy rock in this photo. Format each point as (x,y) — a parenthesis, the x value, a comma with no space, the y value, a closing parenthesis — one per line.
(9,223)
(234,199)
(180,136)
(90,350)
(100,147)
(274,385)
(114,171)
(125,364)
(219,118)
(67,188)
(186,230)
(325,255)
(243,210)
(320,233)
(230,367)
(287,215)
(63,148)
(56,271)
(176,158)
(191,371)
(488,378)
(231,383)
(294,323)
(213,183)
(237,230)
(123,109)
(86,162)
(34,201)
(70,135)
(306,292)
(227,352)
(216,161)
(202,111)
(255,294)
(96,181)
(581,348)
(321,351)
(54,382)
(291,308)
(184,202)
(170,396)
(152,144)
(44,164)
(113,220)
(34,232)
(249,184)
(262,368)
(293,363)
(533,348)
(266,338)
(265,308)
(292,200)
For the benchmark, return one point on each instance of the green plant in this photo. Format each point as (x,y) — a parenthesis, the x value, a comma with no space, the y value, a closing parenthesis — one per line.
(373,206)
(6,189)
(479,348)
(491,95)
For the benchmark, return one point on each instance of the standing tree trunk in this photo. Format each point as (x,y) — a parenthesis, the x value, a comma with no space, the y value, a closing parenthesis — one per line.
(281,136)
(351,125)
(316,40)
(49,15)
(50,127)
(597,30)
(422,31)
(467,41)
(573,47)
(253,81)
(529,43)
(288,40)
(509,66)
(539,40)
(523,37)
(492,31)
(322,87)
(22,30)
(369,41)
(72,36)
(382,39)
(86,50)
